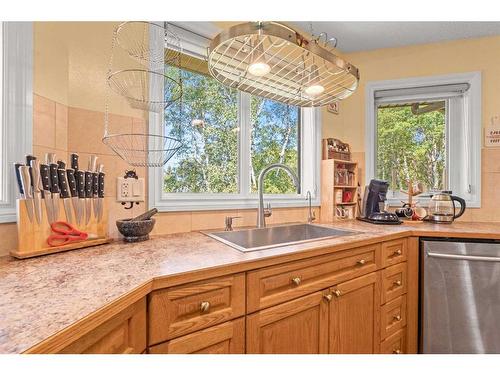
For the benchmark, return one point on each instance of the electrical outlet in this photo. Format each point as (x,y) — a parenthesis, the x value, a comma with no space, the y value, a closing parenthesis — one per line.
(130,190)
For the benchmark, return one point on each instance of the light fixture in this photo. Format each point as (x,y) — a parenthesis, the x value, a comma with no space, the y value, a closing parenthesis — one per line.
(258,66)
(314,88)
(274,61)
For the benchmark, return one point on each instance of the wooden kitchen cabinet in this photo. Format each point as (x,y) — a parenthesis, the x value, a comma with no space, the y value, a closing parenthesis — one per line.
(125,333)
(355,316)
(296,327)
(226,338)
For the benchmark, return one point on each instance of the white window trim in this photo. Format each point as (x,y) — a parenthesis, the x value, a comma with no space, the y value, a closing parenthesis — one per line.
(16,95)
(472,110)
(310,160)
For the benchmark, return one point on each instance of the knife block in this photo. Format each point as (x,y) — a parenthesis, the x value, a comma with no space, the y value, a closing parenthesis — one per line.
(32,237)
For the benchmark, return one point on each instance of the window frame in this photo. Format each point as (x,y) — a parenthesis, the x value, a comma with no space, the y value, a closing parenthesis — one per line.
(310,140)
(16,110)
(472,129)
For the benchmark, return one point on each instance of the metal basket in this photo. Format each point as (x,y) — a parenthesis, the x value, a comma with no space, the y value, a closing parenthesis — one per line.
(137,86)
(134,37)
(143,150)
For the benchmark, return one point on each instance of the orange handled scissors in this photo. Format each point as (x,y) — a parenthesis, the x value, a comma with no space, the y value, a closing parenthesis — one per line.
(66,233)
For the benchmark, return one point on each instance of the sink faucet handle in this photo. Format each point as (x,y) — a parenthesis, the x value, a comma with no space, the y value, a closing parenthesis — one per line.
(229,222)
(268,211)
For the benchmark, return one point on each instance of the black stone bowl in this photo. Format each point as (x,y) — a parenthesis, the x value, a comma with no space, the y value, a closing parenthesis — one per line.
(135,231)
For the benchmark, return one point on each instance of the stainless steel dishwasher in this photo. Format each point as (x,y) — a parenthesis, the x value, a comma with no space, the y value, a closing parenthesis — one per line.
(460,296)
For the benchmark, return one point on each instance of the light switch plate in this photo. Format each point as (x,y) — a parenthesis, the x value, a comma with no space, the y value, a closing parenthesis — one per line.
(130,190)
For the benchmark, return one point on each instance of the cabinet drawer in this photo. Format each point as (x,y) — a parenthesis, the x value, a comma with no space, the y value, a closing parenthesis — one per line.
(273,285)
(394,252)
(176,311)
(393,316)
(225,338)
(394,344)
(393,282)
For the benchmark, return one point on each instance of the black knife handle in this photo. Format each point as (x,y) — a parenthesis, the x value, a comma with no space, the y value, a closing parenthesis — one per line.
(61,164)
(80,183)
(100,190)
(63,183)
(29,158)
(54,179)
(74,161)
(45,176)
(88,184)
(95,184)
(18,178)
(72,182)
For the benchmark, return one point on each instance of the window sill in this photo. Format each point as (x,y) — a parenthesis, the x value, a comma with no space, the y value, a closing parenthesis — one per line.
(229,204)
(8,216)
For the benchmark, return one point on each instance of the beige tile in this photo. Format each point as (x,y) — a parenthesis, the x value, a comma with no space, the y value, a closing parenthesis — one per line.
(288,215)
(85,131)
(490,160)
(490,213)
(172,222)
(61,127)
(139,125)
(44,122)
(248,218)
(490,190)
(203,220)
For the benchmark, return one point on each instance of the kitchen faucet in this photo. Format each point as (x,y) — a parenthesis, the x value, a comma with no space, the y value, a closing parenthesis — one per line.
(262,212)
(310,215)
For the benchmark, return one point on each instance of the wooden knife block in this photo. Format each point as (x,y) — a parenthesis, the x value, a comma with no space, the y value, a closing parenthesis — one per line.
(32,237)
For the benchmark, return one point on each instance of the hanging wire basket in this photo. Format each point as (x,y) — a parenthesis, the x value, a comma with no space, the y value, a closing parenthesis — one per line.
(134,37)
(143,150)
(139,86)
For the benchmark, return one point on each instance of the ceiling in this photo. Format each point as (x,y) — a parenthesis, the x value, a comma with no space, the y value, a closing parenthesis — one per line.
(362,36)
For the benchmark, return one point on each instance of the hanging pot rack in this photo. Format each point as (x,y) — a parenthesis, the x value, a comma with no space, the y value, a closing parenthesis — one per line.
(294,70)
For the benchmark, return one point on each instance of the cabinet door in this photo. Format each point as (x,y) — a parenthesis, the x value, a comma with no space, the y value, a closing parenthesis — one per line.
(125,333)
(296,327)
(226,338)
(355,316)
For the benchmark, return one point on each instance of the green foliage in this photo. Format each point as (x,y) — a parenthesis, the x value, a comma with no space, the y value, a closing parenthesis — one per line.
(208,159)
(413,146)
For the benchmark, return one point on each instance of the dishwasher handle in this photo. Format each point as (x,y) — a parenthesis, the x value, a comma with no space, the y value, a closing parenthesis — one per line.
(463,257)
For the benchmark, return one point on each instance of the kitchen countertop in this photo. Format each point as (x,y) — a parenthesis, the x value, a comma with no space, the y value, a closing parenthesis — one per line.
(42,296)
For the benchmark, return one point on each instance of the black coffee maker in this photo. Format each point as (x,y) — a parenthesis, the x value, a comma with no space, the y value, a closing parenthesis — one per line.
(372,209)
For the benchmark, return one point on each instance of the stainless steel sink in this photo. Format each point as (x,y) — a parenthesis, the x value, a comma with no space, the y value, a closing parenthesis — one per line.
(265,238)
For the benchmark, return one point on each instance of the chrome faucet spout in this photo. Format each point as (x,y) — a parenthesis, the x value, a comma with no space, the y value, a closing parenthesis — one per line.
(262,213)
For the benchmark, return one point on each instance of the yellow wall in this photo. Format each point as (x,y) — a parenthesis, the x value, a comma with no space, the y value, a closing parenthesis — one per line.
(466,55)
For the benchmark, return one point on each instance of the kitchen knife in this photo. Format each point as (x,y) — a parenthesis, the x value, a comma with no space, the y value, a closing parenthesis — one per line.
(21,184)
(100,192)
(65,195)
(95,182)
(74,195)
(80,189)
(61,164)
(47,195)
(24,172)
(50,158)
(54,189)
(88,196)
(74,162)
(36,184)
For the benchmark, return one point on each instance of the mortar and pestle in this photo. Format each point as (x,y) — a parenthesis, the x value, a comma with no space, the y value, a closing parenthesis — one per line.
(138,228)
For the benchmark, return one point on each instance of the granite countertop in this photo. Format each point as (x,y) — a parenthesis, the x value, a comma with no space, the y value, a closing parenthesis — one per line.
(42,296)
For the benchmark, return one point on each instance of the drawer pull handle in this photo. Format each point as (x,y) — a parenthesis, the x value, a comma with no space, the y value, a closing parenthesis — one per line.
(397,318)
(296,281)
(328,297)
(396,351)
(337,292)
(397,283)
(361,262)
(398,252)
(204,306)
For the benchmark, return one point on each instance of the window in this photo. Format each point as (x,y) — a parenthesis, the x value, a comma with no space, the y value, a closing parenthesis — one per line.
(426,130)
(228,137)
(16,56)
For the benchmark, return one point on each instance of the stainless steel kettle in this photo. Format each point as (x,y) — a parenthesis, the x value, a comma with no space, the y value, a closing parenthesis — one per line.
(442,208)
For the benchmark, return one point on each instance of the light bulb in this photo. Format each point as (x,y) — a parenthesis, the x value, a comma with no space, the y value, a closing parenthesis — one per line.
(259,68)
(313,88)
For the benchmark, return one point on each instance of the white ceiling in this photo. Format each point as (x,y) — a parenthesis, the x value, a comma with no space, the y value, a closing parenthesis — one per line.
(362,36)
